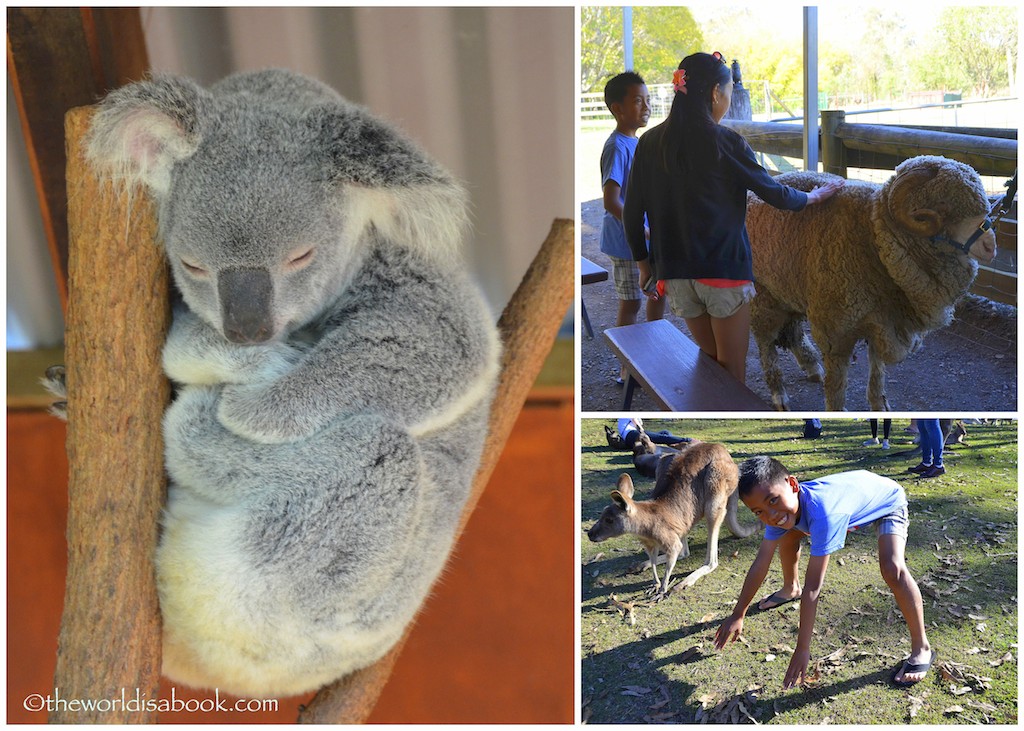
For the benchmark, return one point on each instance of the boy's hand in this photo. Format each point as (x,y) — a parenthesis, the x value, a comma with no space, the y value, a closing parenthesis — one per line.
(728,632)
(797,672)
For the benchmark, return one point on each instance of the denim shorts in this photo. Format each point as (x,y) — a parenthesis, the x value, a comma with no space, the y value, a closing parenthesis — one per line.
(626,275)
(690,298)
(893,524)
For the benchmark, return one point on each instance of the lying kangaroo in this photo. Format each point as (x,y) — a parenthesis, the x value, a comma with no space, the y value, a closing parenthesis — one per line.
(647,455)
(699,482)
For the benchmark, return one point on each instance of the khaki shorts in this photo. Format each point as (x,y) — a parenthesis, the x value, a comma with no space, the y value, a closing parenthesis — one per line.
(690,298)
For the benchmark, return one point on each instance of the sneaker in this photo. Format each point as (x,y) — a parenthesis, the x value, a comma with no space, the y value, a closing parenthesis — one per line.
(934,471)
(920,469)
(885,444)
(871,442)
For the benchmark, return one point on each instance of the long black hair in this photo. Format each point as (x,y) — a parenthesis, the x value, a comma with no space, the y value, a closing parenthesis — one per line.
(690,143)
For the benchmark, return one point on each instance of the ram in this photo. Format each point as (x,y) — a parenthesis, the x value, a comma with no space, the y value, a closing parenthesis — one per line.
(881,263)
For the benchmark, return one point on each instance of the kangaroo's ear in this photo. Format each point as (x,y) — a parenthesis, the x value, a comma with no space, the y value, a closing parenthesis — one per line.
(387,180)
(625,485)
(141,130)
(623,501)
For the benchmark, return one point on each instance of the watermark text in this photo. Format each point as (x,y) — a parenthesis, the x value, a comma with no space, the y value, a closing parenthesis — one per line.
(139,702)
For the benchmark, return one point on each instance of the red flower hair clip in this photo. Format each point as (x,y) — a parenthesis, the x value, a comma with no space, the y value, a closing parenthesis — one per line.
(679,80)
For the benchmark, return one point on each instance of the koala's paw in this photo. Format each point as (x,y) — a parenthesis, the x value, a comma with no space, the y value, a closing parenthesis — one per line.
(54,382)
(252,412)
(210,361)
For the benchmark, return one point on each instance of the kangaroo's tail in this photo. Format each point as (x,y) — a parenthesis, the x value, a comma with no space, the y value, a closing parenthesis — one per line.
(732,518)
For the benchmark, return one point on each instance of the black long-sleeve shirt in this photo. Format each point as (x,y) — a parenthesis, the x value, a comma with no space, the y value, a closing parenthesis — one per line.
(698,227)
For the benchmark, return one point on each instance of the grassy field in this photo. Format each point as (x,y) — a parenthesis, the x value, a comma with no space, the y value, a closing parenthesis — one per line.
(656,662)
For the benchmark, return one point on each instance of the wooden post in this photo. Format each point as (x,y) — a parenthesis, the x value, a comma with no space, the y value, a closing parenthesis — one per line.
(117,320)
(528,327)
(833,153)
(57,59)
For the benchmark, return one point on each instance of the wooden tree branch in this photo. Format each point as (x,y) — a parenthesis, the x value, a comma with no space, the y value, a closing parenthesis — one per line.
(117,320)
(528,328)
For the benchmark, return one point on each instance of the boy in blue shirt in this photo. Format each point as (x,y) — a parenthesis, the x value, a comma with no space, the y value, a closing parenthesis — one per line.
(627,99)
(825,509)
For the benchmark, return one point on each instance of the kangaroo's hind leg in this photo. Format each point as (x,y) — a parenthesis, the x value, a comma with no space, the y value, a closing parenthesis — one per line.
(715,516)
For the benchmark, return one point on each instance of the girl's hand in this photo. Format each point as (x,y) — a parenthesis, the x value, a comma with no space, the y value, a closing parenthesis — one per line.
(645,277)
(824,192)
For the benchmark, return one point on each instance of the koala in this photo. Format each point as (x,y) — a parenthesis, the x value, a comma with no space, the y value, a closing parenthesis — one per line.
(334,370)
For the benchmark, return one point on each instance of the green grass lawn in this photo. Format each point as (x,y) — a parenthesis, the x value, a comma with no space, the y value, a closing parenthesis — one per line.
(656,662)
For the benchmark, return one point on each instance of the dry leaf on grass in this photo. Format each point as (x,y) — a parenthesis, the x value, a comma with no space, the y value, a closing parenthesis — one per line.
(659,717)
(961,675)
(635,690)
(917,702)
(982,706)
(952,709)
(733,710)
(664,699)
(1005,658)
(690,653)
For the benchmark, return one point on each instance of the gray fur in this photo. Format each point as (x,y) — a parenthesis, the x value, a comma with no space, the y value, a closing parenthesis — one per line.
(333,404)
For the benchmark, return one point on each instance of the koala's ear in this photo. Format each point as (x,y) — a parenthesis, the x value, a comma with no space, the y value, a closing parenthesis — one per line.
(389,182)
(142,129)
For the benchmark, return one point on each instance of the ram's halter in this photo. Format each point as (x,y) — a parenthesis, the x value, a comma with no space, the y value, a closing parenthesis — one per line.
(1000,208)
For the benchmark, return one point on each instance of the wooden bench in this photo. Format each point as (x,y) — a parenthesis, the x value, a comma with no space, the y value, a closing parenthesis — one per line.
(677,375)
(589,273)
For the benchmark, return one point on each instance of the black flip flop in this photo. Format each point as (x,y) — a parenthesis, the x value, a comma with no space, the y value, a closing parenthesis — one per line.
(921,667)
(779,602)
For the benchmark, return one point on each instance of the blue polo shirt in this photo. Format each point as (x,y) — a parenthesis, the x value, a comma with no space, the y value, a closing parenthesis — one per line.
(833,505)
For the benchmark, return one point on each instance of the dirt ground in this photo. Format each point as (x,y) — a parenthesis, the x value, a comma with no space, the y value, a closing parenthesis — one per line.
(968,367)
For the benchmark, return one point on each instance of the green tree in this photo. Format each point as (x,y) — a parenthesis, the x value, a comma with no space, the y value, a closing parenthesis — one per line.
(601,54)
(661,37)
(882,64)
(974,49)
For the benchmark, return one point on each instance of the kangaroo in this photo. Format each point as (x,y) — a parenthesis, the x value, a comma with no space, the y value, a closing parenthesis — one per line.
(699,482)
(647,455)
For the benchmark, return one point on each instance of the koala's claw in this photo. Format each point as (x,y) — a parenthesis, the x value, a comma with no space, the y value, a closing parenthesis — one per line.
(54,382)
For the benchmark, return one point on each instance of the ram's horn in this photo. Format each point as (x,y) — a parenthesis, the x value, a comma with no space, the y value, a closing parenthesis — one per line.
(918,221)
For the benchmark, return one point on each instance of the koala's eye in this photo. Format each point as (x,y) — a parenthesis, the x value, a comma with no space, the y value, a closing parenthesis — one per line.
(300,258)
(194,269)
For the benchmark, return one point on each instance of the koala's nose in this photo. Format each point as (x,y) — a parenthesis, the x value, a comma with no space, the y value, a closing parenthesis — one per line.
(246,304)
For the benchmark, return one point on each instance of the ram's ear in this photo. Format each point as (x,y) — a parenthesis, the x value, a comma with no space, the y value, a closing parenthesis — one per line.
(389,182)
(141,130)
